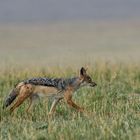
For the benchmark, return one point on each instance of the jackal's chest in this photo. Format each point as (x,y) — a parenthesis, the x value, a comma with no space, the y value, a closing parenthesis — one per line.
(44,91)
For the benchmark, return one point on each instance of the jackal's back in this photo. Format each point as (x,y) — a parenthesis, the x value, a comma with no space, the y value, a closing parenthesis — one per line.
(43,81)
(58,83)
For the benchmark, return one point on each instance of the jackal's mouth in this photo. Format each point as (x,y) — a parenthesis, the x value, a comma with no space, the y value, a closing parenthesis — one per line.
(93,84)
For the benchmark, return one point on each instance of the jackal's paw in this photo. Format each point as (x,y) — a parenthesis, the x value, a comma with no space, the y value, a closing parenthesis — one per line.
(50,115)
(81,109)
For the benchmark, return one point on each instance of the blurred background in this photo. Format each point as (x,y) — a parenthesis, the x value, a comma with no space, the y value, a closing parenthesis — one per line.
(69,32)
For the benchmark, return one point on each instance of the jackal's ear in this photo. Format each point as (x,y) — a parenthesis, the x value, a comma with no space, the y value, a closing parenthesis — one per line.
(82,71)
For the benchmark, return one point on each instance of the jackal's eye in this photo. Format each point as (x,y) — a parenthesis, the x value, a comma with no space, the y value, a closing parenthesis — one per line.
(89,79)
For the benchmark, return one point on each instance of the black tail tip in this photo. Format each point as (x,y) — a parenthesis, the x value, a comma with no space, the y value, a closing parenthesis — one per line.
(5,105)
(11,97)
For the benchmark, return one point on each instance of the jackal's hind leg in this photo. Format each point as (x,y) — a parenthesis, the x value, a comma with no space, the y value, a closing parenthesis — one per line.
(30,105)
(25,92)
(53,106)
(32,100)
(19,101)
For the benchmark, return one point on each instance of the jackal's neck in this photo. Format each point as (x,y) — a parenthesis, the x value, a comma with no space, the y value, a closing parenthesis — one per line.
(72,82)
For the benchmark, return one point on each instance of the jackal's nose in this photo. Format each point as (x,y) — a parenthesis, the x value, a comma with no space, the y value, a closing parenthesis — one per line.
(94,84)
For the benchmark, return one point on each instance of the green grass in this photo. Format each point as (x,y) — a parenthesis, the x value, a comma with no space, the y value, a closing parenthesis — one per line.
(114,105)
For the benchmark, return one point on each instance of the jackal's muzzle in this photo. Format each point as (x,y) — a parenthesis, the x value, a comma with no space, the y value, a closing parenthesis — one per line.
(93,84)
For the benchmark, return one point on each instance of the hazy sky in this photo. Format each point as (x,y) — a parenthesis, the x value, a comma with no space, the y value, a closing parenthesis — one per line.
(57,10)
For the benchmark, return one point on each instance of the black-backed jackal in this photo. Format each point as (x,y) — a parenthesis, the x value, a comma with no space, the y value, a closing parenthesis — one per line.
(57,88)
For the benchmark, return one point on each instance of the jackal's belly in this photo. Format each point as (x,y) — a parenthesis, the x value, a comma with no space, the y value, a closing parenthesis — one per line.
(44,91)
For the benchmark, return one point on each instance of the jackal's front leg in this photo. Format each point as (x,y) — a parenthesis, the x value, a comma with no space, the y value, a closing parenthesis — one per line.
(74,105)
(68,98)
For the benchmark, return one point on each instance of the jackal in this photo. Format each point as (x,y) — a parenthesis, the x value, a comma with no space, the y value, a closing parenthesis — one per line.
(57,88)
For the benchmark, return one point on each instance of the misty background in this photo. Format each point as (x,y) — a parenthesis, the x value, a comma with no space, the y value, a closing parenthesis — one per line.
(58,10)
(66,32)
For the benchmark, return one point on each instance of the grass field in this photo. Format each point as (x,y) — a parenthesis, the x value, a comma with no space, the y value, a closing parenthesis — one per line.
(114,104)
(111,52)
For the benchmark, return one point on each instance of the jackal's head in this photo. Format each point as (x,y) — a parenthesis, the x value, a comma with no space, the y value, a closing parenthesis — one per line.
(86,79)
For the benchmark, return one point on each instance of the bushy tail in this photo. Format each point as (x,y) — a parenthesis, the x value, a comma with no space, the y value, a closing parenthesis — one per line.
(12,95)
